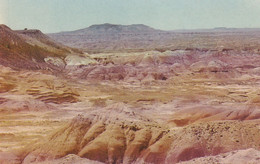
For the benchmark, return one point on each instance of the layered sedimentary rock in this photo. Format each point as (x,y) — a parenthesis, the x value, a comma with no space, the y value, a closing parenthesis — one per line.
(190,105)
(110,139)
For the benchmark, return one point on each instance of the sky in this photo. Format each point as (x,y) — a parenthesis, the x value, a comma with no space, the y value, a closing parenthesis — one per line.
(66,15)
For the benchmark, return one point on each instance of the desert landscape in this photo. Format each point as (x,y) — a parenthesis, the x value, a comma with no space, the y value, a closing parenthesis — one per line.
(130,94)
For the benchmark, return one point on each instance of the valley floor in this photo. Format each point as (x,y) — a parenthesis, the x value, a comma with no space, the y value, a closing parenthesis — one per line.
(148,107)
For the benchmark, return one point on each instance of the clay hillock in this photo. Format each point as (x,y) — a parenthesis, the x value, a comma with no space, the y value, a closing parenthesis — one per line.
(36,37)
(28,49)
(206,114)
(120,135)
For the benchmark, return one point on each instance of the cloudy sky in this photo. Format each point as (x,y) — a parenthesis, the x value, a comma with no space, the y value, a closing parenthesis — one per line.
(63,15)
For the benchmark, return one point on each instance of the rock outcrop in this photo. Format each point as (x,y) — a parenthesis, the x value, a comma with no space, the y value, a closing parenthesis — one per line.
(123,136)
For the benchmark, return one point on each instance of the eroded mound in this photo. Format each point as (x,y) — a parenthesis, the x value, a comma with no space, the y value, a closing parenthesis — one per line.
(162,106)
(136,139)
(207,114)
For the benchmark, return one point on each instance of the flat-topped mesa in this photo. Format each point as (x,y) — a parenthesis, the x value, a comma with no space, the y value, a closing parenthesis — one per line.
(120,28)
(32,33)
(110,37)
(29,49)
(114,29)
(8,34)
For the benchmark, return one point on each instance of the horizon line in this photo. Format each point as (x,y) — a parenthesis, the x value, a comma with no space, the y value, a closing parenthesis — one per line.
(184,29)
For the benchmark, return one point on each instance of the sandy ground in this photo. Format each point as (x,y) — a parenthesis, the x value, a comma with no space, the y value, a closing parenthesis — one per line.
(35,104)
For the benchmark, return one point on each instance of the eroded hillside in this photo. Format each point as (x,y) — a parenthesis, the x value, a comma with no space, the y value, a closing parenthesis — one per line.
(189,106)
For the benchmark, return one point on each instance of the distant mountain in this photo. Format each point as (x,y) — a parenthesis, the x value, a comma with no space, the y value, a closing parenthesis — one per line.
(139,37)
(113,29)
(109,37)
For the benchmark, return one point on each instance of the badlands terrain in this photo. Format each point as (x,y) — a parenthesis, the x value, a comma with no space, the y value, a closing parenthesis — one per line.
(130,94)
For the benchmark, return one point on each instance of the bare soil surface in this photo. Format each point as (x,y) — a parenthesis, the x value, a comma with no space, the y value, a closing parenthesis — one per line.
(188,106)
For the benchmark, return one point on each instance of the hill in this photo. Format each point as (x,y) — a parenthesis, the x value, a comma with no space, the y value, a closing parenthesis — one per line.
(29,48)
(110,37)
(114,29)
